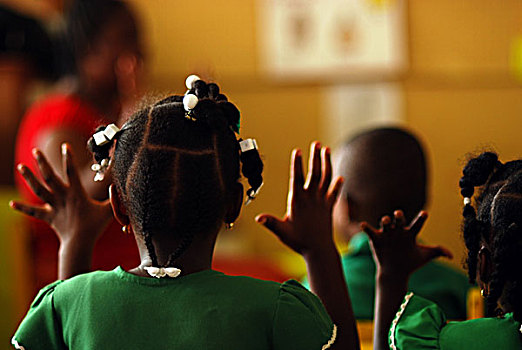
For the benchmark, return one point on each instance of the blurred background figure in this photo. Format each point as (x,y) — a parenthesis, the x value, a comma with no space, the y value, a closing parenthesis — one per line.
(98,59)
(385,170)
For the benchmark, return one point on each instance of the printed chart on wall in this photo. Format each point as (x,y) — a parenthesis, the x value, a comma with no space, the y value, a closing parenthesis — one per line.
(309,39)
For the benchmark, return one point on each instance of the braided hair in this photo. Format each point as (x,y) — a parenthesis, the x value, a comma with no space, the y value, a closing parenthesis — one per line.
(497,222)
(176,173)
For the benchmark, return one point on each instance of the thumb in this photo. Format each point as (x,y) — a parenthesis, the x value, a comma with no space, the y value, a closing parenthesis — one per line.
(272,223)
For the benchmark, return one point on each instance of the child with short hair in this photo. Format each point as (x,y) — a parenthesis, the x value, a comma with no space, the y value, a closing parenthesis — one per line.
(385,169)
(176,168)
(493,237)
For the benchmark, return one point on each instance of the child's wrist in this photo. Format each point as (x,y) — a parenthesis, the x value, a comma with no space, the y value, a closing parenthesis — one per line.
(77,245)
(389,277)
(322,251)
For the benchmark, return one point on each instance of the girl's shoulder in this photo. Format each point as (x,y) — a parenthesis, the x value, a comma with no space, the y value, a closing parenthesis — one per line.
(421,324)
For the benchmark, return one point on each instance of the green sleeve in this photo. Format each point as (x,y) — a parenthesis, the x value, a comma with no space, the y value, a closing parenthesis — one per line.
(417,325)
(300,320)
(40,329)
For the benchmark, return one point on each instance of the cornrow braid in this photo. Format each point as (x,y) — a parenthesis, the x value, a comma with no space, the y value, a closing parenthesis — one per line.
(175,174)
(497,223)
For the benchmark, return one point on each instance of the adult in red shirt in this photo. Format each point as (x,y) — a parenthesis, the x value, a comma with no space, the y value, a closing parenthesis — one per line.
(103,56)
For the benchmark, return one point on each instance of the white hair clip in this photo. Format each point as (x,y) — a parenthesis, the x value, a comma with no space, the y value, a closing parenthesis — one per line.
(247,145)
(467,200)
(191,79)
(105,136)
(160,272)
(251,194)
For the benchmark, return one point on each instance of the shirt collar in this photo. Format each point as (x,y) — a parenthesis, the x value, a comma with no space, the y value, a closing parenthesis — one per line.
(359,244)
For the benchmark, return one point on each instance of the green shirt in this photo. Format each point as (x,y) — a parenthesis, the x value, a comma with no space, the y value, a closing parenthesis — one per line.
(421,324)
(443,284)
(203,310)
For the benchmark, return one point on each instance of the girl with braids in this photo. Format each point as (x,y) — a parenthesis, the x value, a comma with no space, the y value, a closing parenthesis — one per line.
(176,170)
(492,230)
(100,56)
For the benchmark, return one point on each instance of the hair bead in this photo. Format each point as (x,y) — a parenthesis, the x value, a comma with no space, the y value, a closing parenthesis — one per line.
(191,79)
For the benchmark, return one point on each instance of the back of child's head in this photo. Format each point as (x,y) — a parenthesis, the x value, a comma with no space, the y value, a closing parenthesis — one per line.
(175,171)
(384,170)
(497,223)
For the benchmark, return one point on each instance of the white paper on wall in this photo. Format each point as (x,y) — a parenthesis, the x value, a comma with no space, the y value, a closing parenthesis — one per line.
(331,38)
(350,109)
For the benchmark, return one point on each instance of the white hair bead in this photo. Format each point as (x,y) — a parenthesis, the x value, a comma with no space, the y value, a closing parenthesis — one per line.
(172,271)
(467,200)
(100,139)
(111,131)
(247,145)
(191,79)
(190,101)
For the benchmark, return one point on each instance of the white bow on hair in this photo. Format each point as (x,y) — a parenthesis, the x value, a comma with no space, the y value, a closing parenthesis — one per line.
(160,272)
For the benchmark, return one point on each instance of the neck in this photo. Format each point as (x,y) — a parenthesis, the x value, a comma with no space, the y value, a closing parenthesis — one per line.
(197,257)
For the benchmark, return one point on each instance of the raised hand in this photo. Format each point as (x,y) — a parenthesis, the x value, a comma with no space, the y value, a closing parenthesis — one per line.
(77,219)
(307,224)
(307,229)
(395,247)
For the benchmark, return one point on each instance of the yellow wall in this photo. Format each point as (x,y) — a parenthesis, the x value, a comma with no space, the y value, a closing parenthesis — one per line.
(459,94)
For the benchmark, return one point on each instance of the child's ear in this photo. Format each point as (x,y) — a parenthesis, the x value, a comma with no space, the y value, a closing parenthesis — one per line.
(236,202)
(117,208)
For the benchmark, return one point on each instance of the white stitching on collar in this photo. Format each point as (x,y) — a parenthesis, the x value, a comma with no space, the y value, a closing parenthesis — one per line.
(407,298)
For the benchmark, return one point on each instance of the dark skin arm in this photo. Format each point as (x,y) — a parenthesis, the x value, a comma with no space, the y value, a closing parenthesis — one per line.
(77,219)
(397,255)
(307,229)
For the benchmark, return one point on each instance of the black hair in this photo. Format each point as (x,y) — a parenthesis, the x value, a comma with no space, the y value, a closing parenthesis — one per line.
(497,222)
(84,21)
(175,172)
(27,38)
(385,169)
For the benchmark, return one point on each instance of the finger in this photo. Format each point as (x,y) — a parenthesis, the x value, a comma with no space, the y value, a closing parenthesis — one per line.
(38,189)
(49,176)
(399,219)
(386,223)
(272,223)
(39,212)
(417,223)
(314,166)
(296,171)
(369,230)
(334,191)
(326,170)
(69,167)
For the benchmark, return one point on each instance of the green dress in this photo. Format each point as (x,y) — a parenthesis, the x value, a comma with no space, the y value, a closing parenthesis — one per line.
(204,310)
(441,283)
(421,324)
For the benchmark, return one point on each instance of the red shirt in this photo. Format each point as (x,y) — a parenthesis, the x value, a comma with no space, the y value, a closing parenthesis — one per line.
(65,112)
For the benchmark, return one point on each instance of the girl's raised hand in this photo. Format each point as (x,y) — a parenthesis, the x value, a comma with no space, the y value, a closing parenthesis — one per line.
(395,247)
(77,219)
(307,224)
